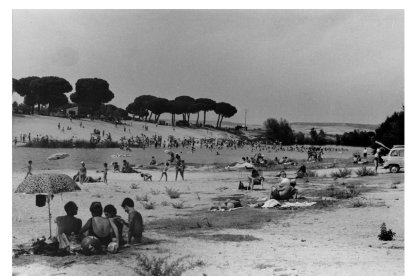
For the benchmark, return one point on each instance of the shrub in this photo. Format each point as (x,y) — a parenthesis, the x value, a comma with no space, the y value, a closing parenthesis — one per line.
(312,173)
(134,186)
(364,171)
(165,203)
(142,198)
(148,205)
(155,192)
(159,266)
(358,202)
(341,173)
(178,205)
(172,193)
(386,235)
(340,193)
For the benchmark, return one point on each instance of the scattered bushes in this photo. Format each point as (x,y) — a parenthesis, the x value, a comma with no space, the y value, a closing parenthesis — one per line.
(364,171)
(312,173)
(165,203)
(148,205)
(172,193)
(159,266)
(155,192)
(341,173)
(339,192)
(142,198)
(178,205)
(385,235)
(134,186)
(358,202)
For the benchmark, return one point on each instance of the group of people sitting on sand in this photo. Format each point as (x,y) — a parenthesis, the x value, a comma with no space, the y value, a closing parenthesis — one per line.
(285,190)
(106,229)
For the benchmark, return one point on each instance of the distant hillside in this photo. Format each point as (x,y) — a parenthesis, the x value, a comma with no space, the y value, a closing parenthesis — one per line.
(331,128)
(328,128)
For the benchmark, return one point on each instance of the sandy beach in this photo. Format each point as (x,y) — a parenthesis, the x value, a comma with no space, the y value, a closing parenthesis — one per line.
(331,240)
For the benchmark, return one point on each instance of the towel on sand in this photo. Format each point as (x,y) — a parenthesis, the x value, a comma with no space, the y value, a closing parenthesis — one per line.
(274,203)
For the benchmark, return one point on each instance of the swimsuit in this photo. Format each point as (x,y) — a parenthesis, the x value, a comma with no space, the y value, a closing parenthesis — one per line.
(104,240)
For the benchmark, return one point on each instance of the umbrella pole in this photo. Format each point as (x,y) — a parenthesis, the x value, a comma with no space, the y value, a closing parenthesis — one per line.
(50,216)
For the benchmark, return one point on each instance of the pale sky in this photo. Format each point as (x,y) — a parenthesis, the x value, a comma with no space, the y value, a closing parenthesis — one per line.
(301,65)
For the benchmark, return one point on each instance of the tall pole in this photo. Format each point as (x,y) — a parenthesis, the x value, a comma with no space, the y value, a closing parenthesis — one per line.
(50,215)
(245,118)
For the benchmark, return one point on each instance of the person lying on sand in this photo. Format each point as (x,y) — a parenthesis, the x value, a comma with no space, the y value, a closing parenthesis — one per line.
(135,222)
(102,228)
(69,224)
(88,179)
(285,190)
(126,168)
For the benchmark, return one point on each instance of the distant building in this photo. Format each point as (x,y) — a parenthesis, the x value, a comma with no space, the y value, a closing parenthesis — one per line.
(72,111)
(240,127)
(75,111)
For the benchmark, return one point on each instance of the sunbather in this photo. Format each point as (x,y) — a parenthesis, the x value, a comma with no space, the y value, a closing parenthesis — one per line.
(285,190)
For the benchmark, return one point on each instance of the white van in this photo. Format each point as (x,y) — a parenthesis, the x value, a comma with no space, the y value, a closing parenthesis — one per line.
(394,161)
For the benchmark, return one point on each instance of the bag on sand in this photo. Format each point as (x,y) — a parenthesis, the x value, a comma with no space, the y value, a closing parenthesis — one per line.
(40,200)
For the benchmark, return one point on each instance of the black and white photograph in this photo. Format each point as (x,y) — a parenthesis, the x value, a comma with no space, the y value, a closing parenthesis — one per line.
(172,142)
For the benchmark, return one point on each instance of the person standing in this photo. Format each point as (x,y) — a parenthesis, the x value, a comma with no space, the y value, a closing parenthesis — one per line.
(377,158)
(179,167)
(105,173)
(82,173)
(29,169)
(164,171)
(365,153)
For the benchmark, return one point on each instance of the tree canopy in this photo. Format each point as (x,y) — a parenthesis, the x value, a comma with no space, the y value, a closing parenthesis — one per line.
(92,92)
(224,110)
(279,131)
(391,131)
(50,90)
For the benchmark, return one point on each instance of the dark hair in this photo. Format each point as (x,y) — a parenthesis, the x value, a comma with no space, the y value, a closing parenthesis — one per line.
(71,208)
(30,161)
(167,164)
(110,209)
(127,202)
(105,164)
(96,209)
(142,175)
(124,160)
(177,156)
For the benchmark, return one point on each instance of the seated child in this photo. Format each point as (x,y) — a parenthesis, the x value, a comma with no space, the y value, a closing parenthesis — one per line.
(110,212)
(135,222)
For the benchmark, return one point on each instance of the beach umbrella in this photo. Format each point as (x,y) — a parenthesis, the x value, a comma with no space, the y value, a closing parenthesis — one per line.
(48,184)
(57,156)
